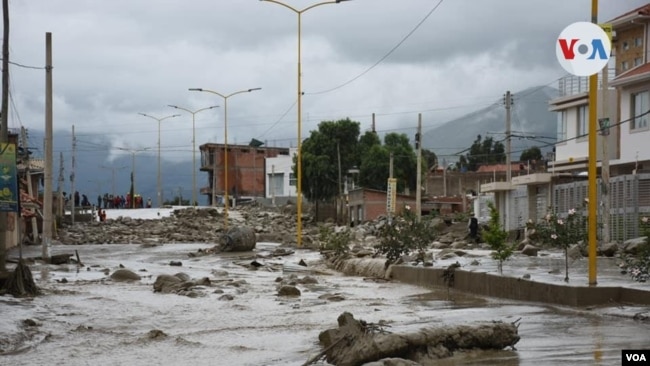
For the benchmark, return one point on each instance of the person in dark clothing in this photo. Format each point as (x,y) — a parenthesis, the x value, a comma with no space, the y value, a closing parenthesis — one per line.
(472,226)
(76,199)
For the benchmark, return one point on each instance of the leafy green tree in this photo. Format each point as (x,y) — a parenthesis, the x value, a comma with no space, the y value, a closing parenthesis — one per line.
(534,153)
(404,160)
(320,163)
(374,169)
(429,159)
(366,142)
(485,151)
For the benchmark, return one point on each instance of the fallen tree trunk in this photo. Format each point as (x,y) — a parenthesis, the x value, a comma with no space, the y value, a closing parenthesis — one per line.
(362,344)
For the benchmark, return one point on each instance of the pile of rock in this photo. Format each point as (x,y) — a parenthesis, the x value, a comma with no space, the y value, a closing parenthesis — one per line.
(201,225)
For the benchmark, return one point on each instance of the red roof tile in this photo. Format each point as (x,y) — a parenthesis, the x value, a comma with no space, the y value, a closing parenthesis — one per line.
(645,68)
(498,168)
(642,10)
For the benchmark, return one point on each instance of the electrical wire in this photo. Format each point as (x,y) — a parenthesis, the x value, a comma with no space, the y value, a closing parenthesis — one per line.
(390,52)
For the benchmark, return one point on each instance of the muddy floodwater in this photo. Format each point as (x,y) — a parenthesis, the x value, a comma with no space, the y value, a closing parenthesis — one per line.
(85,318)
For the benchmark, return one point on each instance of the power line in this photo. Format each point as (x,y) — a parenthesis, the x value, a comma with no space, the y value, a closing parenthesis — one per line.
(25,66)
(386,55)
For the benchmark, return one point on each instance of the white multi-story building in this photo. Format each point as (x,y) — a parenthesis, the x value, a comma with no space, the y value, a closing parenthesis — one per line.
(625,101)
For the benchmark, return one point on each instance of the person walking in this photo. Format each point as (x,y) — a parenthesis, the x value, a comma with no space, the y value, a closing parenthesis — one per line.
(472,227)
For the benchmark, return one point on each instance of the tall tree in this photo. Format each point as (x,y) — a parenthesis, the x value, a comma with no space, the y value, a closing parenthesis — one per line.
(534,153)
(320,158)
(484,152)
(404,160)
(374,168)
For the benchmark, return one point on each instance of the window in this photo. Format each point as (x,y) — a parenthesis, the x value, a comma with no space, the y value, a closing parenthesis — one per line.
(640,105)
(583,121)
(624,65)
(638,41)
(638,61)
(626,46)
(292,179)
(561,126)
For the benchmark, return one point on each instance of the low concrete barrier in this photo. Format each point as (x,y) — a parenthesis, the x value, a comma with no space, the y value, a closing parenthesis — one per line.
(487,284)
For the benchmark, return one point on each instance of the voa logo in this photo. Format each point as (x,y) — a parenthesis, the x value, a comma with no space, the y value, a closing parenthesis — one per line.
(583,49)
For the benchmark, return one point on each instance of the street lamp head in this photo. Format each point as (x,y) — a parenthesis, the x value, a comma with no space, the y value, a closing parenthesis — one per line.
(143,114)
(253,89)
(196,89)
(173,106)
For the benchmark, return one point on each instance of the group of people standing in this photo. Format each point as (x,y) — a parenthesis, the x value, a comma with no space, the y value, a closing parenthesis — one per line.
(117,201)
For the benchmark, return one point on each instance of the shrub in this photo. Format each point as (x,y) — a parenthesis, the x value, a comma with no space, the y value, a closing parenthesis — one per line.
(563,231)
(638,265)
(495,237)
(339,242)
(404,235)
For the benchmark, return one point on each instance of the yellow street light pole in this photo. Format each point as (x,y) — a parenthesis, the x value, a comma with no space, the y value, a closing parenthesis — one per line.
(592,187)
(159,193)
(299,157)
(193,113)
(225,146)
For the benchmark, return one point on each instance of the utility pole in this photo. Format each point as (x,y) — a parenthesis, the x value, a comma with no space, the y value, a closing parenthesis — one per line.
(47,186)
(340,200)
(508,103)
(72,191)
(59,191)
(418,186)
(389,192)
(4,136)
(272,185)
(592,171)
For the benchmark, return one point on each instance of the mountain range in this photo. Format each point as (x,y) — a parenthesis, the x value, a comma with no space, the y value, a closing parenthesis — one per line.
(532,124)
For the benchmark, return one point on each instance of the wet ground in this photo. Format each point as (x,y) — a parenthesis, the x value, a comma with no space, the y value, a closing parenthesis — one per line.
(91,320)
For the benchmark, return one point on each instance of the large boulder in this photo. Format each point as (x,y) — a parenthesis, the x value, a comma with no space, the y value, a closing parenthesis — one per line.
(125,275)
(633,246)
(239,239)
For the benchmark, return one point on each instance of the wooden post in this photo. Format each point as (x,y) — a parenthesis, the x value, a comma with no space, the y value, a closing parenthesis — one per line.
(47,189)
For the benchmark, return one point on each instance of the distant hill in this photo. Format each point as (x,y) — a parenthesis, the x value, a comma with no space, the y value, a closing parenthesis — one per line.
(93,176)
(530,117)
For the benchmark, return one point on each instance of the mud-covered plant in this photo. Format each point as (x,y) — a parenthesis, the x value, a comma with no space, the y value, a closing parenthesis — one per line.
(637,265)
(338,242)
(496,238)
(404,235)
(563,231)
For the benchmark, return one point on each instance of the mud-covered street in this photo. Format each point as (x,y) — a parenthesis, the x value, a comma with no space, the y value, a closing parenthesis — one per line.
(85,317)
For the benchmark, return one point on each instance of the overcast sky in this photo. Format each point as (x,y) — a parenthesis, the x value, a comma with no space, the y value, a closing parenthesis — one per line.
(115,59)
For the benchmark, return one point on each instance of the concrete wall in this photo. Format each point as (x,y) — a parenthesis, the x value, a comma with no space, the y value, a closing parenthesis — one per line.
(486,284)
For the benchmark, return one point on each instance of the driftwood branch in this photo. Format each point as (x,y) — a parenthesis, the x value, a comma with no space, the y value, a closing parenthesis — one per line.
(423,346)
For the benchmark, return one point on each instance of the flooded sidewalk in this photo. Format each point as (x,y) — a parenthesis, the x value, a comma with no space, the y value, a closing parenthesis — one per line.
(85,317)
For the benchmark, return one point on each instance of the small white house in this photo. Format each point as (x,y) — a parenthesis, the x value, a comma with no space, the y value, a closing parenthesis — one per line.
(280,180)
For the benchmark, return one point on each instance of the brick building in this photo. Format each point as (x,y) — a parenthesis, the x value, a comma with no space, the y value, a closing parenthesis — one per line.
(246,170)
(367,204)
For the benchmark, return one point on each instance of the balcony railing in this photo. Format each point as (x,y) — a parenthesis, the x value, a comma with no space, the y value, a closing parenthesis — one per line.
(572,85)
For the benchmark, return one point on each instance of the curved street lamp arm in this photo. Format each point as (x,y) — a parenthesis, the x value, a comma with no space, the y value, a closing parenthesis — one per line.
(305,9)
(192,112)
